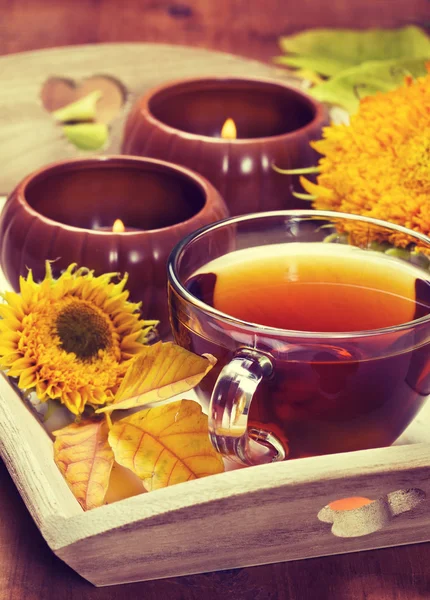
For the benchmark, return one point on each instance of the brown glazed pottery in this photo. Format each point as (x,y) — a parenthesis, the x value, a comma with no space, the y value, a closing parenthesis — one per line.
(182,122)
(65,212)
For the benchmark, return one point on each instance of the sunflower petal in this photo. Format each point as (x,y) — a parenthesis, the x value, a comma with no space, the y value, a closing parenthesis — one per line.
(20,365)
(318,191)
(28,378)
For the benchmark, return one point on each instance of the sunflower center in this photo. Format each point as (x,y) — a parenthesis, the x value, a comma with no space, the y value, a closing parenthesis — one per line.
(83,330)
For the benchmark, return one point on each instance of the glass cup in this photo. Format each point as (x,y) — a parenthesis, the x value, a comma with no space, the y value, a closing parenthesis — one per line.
(279,393)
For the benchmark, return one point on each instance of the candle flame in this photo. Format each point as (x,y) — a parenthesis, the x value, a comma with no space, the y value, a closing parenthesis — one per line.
(228,131)
(118,226)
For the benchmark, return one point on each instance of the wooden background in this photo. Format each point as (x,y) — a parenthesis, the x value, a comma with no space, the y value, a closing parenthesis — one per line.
(28,570)
(247,27)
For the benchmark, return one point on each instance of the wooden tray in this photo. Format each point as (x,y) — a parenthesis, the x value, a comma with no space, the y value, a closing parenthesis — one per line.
(239,518)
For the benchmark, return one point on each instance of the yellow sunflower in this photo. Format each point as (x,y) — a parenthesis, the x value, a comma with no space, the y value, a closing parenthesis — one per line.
(379,164)
(71,338)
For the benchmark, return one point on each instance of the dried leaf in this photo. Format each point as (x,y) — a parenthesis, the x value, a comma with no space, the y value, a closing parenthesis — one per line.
(330,51)
(166,444)
(158,373)
(123,483)
(84,457)
(87,136)
(356,83)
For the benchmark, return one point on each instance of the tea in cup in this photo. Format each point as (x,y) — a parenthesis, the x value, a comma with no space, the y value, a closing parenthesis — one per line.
(321,330)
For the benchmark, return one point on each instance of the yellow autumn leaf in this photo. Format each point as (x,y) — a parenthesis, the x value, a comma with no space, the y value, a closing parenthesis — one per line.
(87,136)
(159,372)
(123,483)
(83,109)
(166,444)
(84,457)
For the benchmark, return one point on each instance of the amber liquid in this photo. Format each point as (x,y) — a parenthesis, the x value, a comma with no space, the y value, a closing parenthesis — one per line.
(328,393)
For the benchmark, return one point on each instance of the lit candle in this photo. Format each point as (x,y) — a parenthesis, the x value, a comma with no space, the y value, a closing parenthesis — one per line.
(118,226)
(110,214)
(229,131)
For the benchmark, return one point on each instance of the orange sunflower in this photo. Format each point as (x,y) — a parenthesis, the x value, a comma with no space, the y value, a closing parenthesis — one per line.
(379,164)
(71,338)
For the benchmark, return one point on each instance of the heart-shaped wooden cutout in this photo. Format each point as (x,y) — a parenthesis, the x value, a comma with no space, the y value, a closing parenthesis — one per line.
(357,516)
(60,91)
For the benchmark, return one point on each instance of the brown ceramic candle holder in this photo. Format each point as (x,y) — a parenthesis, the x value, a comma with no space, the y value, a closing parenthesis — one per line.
(65,213)
(182,122)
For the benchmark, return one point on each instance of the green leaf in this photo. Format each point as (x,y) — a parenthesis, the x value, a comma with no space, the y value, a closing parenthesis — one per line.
(350,86)
(87,136)
(330,51)
(316,64)
(83,109)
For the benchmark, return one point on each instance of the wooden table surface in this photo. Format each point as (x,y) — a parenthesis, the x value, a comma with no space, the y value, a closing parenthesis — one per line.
(247,27)
(28,569)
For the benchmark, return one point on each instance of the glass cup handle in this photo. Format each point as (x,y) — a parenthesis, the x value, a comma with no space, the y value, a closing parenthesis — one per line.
(229,408)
